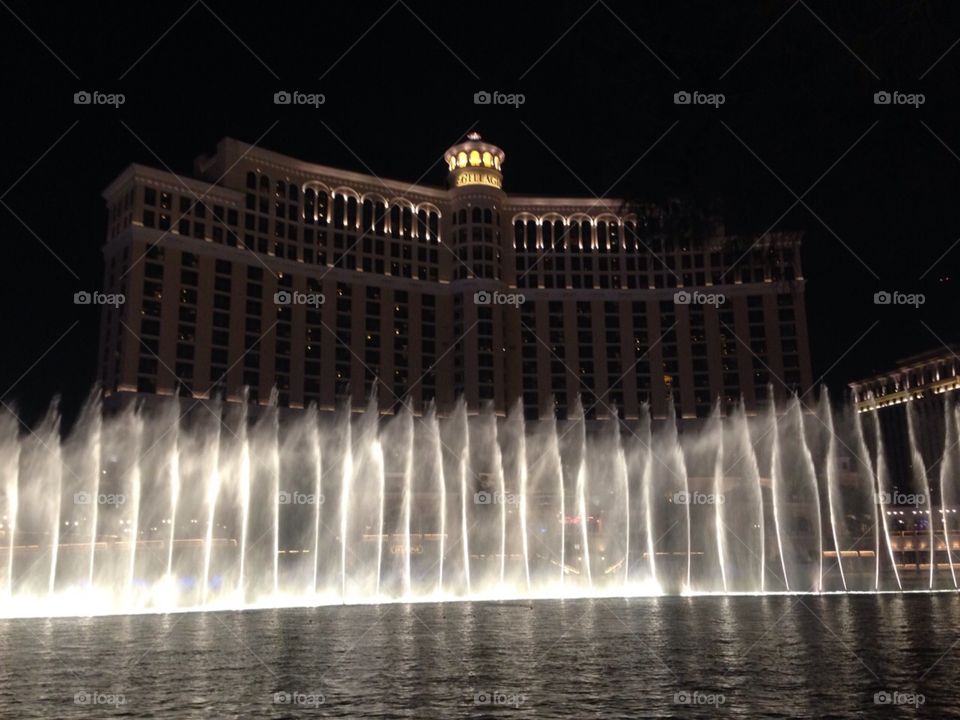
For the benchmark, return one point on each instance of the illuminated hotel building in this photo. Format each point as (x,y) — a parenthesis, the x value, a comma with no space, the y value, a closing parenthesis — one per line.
(922,386)
(421,291)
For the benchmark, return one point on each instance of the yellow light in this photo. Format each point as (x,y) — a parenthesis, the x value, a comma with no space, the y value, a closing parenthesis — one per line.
(461,159)
(487,159)
(475,158)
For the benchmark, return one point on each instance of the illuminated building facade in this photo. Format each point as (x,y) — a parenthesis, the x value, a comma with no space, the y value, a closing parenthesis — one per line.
(267,271)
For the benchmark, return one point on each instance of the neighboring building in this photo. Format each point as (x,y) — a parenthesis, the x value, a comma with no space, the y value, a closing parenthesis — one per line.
(920,386)
(422,288)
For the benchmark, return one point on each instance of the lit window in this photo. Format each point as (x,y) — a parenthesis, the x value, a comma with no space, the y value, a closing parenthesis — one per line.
(474,158)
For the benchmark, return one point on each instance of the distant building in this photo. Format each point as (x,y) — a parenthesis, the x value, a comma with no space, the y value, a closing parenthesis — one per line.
(268,271)
(919,385)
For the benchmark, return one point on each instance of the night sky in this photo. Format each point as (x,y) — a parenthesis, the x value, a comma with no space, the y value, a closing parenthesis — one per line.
(878,183)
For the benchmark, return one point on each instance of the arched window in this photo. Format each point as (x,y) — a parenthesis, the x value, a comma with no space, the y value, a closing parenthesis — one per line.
(309,205)
(281,189)
(531,235)
(518,230)
(477,216)
(434,225)
(352,219)
(366,222)
(339,210)
(322,207)
(264,183)
(487,216)
(407,222)
(395,221)
(380,220)
(422,224)
(252,180)
(292,191)
(463,216)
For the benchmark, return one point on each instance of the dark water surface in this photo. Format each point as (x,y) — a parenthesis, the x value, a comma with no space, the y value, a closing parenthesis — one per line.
(741,657)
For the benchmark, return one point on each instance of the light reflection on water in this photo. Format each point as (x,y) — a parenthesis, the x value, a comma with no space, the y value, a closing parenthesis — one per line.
(775,656)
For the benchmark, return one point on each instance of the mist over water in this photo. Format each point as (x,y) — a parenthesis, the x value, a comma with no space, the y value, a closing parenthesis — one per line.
(152,510)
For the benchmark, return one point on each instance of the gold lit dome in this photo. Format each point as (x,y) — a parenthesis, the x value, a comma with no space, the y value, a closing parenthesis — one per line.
(474,162)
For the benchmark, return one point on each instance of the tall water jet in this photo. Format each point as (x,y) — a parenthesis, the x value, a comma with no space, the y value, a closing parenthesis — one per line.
(647,482)
(244,492)
(948,470)
(346,483)
(464,490)
(10,469)
(524,479)
(718,496)
(94,418)
(752,473)
(407,500)
(433,425)
(867,463)
(173,478)
(133,524)
(212,493)
(775,488)
(275,477)
(318,492)
(883,482)
(553,451)
(581,490)
(376,452)
(625,483)
(502,491)
(833,489)
(807,472)
(920,477)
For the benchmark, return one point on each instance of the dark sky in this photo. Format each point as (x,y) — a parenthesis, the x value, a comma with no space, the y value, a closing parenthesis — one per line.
(599,80)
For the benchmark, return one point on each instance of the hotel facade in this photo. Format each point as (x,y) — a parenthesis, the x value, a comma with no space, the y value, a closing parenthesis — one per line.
(264,271)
